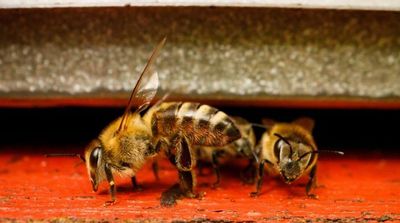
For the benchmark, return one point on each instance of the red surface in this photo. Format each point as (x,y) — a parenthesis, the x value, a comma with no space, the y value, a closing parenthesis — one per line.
(289,102)
(353,188)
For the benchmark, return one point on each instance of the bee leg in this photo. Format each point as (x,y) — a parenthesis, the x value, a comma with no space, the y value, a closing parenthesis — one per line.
(260,174)
(182,189)
(312,183)
(200,167)
(184,161)
(111,181)
(154,167)
(199,164)
(215,165)
(136,186)
(249,173)
(160,146)
(169,197)
(187,182)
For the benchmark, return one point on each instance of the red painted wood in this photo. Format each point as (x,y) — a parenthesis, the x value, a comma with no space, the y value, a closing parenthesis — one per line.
(354,187)
(283,102)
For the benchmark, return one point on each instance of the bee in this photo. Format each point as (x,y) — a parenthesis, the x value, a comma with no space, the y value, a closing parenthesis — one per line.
(290,151)
(243,147)
(128,142)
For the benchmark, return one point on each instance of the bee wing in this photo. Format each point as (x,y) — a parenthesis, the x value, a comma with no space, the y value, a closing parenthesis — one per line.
(163,99)
(145,88)
(149,89)
(146,94)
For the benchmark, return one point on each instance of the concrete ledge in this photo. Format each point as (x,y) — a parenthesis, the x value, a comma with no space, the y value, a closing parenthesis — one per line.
(386,5)
(221,53)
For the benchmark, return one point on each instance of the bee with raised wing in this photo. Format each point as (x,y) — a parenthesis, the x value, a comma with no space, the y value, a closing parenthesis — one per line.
(173,127)
(290,151)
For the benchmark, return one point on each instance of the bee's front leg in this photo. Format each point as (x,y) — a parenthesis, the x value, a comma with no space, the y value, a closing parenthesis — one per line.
(260,174)
(111,181)
(312,183)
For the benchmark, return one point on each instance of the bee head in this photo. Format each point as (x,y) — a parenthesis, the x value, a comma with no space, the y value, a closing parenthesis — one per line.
(293,158)
(290,171)
(95,163)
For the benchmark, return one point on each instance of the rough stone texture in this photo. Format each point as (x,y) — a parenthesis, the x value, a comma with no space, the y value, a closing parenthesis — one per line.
(209,51)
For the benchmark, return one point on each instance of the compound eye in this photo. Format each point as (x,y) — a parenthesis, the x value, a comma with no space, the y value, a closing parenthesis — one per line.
(95,156)
(277,148)
(284,151)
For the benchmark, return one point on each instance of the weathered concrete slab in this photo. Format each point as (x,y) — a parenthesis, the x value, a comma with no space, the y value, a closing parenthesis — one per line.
(210,51)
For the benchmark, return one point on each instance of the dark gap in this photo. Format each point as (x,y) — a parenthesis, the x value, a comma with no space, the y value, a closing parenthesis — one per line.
(356,130)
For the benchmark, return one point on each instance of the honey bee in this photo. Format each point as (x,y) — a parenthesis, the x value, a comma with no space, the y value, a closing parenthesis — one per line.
(243,147)
(128,142)
(290,151)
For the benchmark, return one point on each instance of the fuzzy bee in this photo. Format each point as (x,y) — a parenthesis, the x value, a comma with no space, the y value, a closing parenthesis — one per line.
(243,147)
(290,151)
(131,140)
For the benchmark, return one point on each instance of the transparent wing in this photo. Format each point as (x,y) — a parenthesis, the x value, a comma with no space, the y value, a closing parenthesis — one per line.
(145,88)
(149,89)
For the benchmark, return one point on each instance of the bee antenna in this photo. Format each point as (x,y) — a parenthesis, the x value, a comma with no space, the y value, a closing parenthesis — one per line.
(259,125)
(305,154)
(332,151)
(287,142)
(322,151)
(66,155)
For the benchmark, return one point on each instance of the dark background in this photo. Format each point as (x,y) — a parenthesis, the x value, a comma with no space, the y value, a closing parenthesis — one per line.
(347,130)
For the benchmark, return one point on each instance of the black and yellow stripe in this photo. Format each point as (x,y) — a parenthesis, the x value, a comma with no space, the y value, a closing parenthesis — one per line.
(200,124)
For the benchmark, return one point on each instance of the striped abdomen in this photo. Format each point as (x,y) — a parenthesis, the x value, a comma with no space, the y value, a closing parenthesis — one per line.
(200,124)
